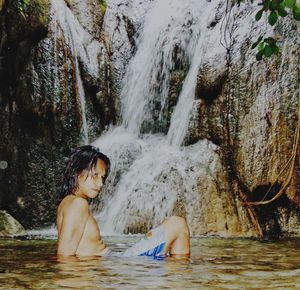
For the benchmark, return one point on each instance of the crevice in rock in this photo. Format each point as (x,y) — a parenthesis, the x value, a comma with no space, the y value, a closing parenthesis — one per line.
(131,31)
(209,89)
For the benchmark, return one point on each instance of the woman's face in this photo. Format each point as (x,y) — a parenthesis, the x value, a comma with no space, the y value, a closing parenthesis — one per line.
(90,182)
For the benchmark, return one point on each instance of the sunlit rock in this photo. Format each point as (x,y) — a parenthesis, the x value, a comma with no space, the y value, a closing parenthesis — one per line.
(164,181)
(2,2)
(10,227)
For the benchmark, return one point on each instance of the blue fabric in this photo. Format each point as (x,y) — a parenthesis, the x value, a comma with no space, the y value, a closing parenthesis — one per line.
(151,245)
(156,251)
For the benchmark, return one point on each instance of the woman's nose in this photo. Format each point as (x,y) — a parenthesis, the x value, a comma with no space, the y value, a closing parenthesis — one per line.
(100,182)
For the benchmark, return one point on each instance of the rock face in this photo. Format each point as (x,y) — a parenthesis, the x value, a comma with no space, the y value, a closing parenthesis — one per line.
(252,112)
(9,227)
(48,99)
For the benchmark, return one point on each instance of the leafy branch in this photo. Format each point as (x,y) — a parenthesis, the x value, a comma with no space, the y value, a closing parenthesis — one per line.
(266,47)
(103,5)
(22,5)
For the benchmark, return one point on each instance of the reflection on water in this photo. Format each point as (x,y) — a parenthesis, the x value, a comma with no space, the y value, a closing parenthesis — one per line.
(214,264)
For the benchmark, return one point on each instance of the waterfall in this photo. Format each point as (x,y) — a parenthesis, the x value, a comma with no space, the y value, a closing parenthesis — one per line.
(82,103)
(168,23)
(154,178)
(150,172)
(181,114)
(83,48)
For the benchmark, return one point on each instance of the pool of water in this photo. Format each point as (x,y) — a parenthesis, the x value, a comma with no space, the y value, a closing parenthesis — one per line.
(214,264)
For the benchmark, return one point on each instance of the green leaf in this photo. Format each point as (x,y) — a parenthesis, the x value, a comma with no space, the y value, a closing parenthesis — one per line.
(282,12)
(103,5)
(270,40)
(276,49)
(258,15)
(266,4)
(274,5)
(296,11)
(272,18)
(279,3)
(261,46)
(268,51)
(259,39)
(254,45)
(273,45)
(289,3)
(22,5)
(259,55)
(256,42)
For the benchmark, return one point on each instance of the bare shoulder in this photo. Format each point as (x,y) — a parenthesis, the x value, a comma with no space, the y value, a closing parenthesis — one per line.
(74,204)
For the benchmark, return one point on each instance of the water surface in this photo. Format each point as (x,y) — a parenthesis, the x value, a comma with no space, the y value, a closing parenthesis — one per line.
(214,264)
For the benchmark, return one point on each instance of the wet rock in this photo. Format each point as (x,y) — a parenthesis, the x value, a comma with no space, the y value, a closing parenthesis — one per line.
(288,220)
(160,113)
(122,153)
(210,83)
(2,2)
(90,14)
(27,21)
(131,31)
(183,184)
(40,102)
(218,211)
(9,227)
(123,20)
(251,112)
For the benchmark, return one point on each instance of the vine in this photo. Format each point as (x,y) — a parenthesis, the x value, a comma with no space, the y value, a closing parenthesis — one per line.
(266,48)
(228,26)
(290,163)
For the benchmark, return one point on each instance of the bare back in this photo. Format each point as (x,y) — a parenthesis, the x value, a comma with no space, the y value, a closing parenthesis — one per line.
(78,231)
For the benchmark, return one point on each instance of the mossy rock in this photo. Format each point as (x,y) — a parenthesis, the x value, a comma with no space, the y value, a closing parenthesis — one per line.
(10,227)
(28,20)
(1,4)
(39,13)
(103,6)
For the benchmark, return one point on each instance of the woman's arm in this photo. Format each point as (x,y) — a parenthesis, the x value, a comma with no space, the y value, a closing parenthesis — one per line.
(75,217)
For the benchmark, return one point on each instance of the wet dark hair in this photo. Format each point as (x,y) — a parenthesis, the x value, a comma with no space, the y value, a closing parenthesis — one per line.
(82,158)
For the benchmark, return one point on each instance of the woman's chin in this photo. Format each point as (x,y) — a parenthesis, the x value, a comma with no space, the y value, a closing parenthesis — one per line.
(93,194)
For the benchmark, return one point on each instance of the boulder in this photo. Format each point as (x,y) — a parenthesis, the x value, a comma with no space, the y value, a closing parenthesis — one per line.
(10,227)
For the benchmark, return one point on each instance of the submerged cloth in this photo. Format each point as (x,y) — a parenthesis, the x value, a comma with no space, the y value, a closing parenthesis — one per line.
(151,245)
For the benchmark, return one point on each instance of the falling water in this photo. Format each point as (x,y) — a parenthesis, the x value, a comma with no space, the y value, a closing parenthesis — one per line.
(151,173)
(82,102)
(181,114)
(82,46)
(154,177)
(168,24)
